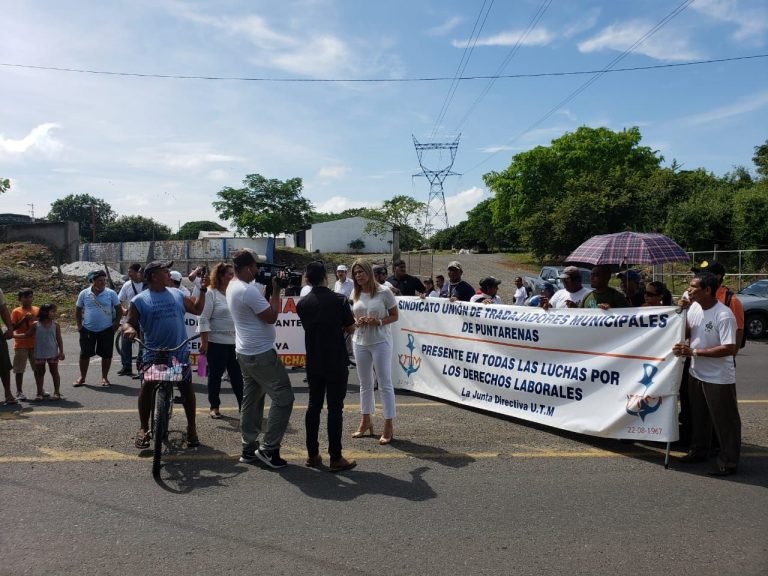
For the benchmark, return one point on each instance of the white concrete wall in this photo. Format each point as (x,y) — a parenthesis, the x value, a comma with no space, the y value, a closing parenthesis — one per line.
(336,235)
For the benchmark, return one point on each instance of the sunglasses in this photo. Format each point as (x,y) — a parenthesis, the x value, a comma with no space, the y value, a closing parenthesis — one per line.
(651,294)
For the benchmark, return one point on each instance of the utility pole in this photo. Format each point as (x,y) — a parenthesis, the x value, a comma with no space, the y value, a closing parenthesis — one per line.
(32,211)
(436,203)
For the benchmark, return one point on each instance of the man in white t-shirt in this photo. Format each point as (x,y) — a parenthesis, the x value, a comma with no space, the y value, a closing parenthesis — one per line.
(131,288)
(521,294)
(573,292)
(343,285)
(263,372)
(712,384)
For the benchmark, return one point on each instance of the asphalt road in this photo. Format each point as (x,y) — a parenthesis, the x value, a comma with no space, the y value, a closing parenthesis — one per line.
(458,492)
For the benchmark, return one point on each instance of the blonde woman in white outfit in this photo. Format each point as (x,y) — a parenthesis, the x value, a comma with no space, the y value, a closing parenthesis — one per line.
(374,307)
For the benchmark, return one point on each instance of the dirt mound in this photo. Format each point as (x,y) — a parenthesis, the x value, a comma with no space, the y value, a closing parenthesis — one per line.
(25,265)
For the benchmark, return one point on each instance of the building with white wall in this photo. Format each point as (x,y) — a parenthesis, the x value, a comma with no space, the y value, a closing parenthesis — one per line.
(336,236)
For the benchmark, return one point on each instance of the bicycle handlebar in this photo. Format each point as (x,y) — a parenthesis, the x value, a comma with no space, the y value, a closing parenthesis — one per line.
(179,347)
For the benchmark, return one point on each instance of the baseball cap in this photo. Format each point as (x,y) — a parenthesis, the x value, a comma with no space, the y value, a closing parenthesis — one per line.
(156,265)
(489,281)
(176,276)
(711,267)
(630,274)
(379,269)
(455,264)
(95,274)
(341,268)
(569,272)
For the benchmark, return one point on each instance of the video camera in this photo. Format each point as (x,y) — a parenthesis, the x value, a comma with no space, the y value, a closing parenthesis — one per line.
(269,271)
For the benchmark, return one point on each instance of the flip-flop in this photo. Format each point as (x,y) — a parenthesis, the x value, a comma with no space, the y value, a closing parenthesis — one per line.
(10,402)
(56,397)
(142,440)
(105,382)
(79,382)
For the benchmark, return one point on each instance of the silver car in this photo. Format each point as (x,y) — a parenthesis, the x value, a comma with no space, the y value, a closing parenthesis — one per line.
(754,298)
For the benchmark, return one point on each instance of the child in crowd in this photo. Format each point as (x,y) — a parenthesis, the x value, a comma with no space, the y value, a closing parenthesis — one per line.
(49,349)
(22,319)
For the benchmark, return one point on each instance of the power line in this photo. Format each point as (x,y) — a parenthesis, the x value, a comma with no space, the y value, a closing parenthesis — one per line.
(511,54)
(465,56)
(383,80)
(658,26)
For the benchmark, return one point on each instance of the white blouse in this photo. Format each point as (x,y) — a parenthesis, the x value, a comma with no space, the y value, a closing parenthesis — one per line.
(377,306)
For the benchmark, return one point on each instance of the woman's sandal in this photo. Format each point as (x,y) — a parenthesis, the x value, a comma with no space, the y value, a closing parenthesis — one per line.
(56,396)
(142,440)
(105,382)
(79,382)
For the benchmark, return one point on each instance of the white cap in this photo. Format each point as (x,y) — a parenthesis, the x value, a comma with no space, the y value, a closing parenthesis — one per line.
(341,268)
(176,276)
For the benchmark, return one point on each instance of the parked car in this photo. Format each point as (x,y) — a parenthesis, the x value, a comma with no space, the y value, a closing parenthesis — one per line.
(755,301)
(551,273)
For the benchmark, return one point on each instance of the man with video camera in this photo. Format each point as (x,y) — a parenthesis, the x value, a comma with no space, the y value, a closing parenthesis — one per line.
(263,373)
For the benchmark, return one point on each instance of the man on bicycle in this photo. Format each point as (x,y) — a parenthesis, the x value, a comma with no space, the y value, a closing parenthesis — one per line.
(159,313)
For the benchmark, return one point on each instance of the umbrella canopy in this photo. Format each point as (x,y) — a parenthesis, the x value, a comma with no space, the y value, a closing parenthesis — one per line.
(628,248)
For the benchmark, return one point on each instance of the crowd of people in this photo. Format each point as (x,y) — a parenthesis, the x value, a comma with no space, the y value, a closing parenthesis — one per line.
(237,327)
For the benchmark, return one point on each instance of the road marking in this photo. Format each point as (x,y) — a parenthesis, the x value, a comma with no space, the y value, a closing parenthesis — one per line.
(26,413)
(298,456)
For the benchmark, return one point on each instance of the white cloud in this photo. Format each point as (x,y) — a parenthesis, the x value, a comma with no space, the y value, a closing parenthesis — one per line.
(338,204)
(39,139)
(218,175)
(664,45)
(445,27)
(581,25)
(494,149)
(751,18)
(333,172)
(181,155)
(305,53)
(537,37)
(742,107)
(458,205)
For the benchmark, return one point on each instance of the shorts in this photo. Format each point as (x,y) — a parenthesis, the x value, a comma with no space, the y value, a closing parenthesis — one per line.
(97,343)
(20,358)
(50,361)
(5,358)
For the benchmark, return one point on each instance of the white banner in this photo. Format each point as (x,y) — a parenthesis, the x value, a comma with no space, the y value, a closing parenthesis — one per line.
(604,373)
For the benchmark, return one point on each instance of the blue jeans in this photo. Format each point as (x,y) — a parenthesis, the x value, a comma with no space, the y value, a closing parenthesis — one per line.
(264,374)
(223,357)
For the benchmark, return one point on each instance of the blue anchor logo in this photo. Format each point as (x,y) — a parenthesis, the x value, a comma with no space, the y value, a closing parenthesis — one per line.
(408,362)
(642,404)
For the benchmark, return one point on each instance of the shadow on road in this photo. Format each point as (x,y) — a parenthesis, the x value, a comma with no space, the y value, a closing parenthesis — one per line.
(425,452)
(346,486)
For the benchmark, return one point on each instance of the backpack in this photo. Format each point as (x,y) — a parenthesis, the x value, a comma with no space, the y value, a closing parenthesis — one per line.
(728,298)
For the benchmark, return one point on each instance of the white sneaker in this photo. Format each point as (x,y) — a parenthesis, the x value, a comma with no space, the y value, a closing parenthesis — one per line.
(20,397)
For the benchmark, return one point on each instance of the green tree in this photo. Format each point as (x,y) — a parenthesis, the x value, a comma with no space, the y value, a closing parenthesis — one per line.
(265,206)
(191,230)
(588,182)
(135,229)
(403,211)
(761,159)
(5,185)
(83,208)
(319,217)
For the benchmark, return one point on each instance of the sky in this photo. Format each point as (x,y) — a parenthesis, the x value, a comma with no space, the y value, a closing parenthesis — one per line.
(163,147)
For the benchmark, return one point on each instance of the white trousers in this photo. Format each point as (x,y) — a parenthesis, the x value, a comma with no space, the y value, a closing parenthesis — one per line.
(375,357)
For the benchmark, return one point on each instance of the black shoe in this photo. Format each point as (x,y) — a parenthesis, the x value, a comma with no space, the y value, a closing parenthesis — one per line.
(692,456)
(125,372)
(137,376)
(271,458)
(248,457)
(722,471)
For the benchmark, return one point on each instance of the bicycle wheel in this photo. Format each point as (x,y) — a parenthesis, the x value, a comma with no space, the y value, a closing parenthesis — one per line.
(119,343)
(160,426)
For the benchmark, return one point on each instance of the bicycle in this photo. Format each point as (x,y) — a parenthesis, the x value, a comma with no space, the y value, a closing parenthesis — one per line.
(162,372)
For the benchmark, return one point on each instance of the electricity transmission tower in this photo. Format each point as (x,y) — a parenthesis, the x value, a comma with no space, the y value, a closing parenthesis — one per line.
(436,211)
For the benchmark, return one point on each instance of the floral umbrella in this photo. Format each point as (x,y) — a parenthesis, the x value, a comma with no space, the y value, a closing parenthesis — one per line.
(628,248)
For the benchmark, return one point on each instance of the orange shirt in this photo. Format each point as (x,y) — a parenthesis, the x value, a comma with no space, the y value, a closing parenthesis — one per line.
(736,307)
(18,314)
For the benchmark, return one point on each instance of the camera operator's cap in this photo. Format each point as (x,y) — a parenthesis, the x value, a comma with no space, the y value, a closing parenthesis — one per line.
(711,267)
(156,265)
(631,275)
(455,264)
(379,269)
(489,282)
(175,275)
(569,272)
(341,268)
